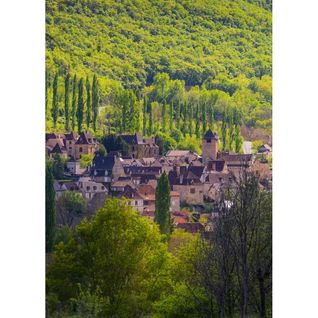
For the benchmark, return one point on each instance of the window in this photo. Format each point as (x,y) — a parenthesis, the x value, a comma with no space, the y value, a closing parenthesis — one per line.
(81,149)
(136,202)
(70,147)
(208,141)
(103,188)
(94,188)
(192,190)
(88,188)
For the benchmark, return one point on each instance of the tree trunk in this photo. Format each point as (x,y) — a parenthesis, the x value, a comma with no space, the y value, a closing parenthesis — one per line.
(262,293)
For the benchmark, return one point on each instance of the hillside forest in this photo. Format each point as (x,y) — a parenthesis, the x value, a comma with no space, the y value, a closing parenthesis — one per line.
(165,68)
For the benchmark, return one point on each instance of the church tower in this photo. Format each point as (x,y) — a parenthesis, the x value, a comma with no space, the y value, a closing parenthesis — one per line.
(209,146)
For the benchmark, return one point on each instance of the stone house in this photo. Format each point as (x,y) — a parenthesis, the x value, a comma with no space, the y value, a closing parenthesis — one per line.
(70,140)
(74,168)
(85,144)
(89,188)
(138,147)
(187,181)
(136,201)
(106,168)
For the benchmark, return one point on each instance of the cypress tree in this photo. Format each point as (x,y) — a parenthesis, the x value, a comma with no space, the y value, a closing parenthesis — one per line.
(211,117)
(47,85)
(144,116)
(74,101)
(190,116)
(150,126)
(204,118)
(66,101)
(124,100)
(164,106)
(224,131)
(55,108)
(88,102)
(80,106)
(184,128)
(238,139)
(171,117)
(162,213)
(131,114)
(177,115)
(49,207)
(95,101)
(197,122)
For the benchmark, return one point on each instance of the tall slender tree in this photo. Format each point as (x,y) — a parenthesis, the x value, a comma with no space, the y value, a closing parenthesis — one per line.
(224,132)
(204,118)
(150,125)
(55,108)
(162,204)
(88,102)
(74,101)
(190,116)
(163,114)
(66,101)
(171,117)
(47,85)
(80,105)
(95,101)
(197,122)
(211,116)
(49,207)
(144,109)
(177,115)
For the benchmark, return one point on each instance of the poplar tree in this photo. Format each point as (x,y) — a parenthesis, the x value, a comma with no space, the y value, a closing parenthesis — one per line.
(144,116)
(66,101)
(80,106)
(164,106)
(183,113)
(88,102)
(150,125)
(49,207)
(171,117)
(238,140)
(95,101)
(204,118)
(177,115)
(74,101)
(131,112)
(197,122)
(224,131)
(211,116)
(162,205)
(47,85)
(190,116)
(55,108)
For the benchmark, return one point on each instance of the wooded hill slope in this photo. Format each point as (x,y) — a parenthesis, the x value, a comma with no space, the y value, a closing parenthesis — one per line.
(215,48)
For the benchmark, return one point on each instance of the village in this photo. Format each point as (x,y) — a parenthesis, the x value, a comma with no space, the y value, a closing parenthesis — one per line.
(195,180)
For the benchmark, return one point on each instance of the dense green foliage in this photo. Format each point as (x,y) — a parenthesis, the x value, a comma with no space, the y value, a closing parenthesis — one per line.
(49,207)
(69,206)
(118,264)
(119,258)
(194,60)
(162,213)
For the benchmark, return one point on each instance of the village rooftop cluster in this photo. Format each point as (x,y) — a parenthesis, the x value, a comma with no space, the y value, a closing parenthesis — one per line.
(195,180)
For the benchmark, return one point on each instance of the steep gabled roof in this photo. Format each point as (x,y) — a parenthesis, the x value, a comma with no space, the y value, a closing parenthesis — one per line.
(58,149)
(210,135)
(85,138)
(129,139)
(71,136)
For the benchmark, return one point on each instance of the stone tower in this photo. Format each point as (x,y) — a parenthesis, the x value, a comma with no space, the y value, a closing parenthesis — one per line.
(209,146)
